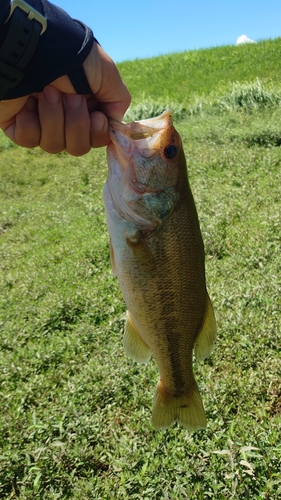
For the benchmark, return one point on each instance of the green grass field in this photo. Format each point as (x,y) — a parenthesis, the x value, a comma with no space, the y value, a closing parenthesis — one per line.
(75,411)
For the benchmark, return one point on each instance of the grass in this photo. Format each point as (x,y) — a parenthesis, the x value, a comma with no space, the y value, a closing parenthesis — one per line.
(75,411)
(247,96)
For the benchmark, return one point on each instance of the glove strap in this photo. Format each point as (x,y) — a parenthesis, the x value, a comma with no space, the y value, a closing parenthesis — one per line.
(20,39)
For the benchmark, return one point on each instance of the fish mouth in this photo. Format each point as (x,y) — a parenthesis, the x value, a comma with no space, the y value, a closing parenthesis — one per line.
(142,137)
(135,155)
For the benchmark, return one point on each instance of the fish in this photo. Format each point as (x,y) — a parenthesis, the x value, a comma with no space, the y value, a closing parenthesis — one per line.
(157,254)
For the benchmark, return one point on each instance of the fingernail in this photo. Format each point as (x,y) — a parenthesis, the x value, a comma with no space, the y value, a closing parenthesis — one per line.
(52,94)
(73,100)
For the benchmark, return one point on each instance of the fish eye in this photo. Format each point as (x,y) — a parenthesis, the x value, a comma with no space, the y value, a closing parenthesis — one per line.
(170,151)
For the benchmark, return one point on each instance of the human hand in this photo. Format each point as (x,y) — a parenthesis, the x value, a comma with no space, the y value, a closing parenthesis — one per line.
(57,119)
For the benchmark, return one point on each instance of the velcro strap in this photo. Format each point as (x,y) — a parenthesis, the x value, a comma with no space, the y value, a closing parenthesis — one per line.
(20,40)
(9,76)
(79,81)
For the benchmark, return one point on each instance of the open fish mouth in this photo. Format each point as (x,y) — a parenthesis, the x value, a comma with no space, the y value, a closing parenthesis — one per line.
(140,137)
(143,158)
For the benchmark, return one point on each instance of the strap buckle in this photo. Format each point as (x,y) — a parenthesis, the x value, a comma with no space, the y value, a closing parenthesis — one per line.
(31,13)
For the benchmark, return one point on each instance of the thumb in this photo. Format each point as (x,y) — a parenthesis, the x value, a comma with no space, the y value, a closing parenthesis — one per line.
(111,93)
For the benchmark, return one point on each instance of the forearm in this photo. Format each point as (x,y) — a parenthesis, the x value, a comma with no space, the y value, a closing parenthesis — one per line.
(62,48)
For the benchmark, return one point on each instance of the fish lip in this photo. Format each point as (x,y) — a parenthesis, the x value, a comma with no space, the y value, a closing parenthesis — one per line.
(155,123)
(158,122)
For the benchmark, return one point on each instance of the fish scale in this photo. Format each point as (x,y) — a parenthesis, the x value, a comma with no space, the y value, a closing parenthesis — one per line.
(157,255)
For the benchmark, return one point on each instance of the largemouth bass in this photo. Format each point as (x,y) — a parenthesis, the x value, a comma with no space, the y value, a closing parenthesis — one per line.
(157,254)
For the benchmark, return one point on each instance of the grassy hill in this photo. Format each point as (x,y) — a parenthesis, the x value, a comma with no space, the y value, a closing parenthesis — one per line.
(75,411)
(205,72)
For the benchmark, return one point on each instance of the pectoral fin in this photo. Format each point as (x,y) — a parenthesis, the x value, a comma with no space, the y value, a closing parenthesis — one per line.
(133,344)
(206,337)
(142,254)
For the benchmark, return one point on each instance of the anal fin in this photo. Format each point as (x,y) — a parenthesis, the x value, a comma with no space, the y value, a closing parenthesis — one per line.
(133,344)
(186,409)
(205,339)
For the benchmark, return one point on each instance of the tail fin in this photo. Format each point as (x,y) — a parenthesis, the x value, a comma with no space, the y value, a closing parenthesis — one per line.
(186,409)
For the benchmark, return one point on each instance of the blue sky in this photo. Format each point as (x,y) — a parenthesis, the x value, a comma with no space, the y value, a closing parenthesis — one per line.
(147,28)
